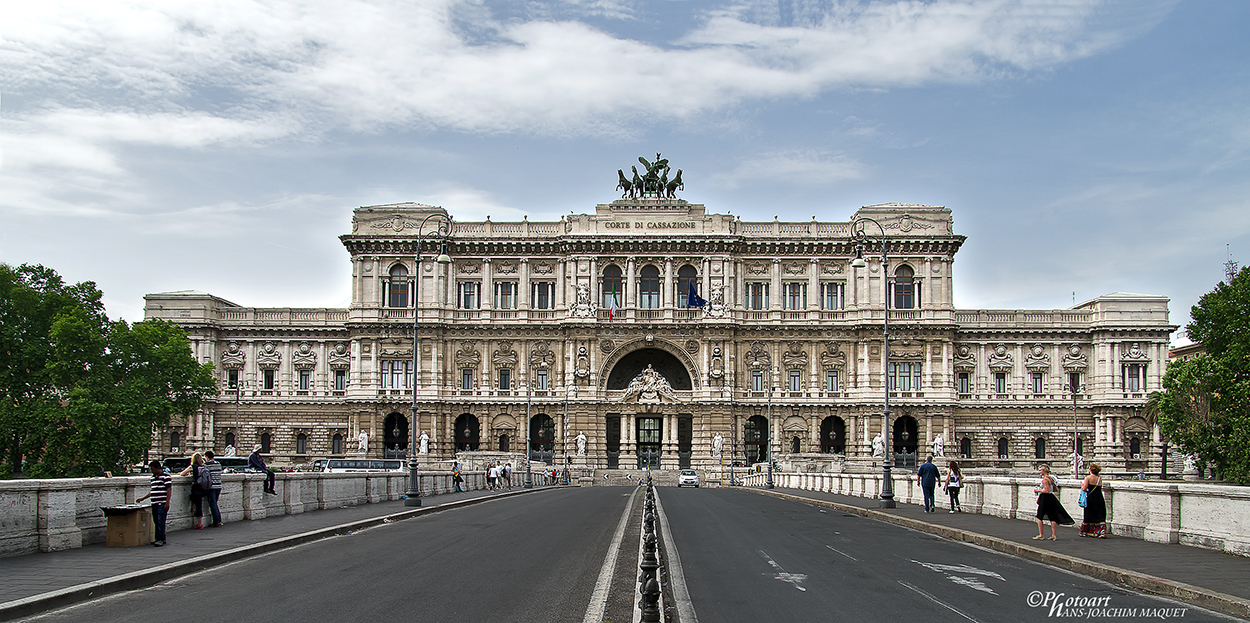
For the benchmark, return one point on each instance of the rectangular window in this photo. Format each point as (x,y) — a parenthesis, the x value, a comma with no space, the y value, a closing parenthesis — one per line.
(232,379)
(505,379)
(396,374)
(469,295)
(505,295)
(542,295)
(540,380)
(305,377)
(1134,377)
(1036,378)
(795,295)
(1000,382)
(757,381)
(757,296)
(831,380)
(269,379)
(466,379)
(833,295)
(340,380)
(904,377)
(796,381)
(964,384)
(1074,382)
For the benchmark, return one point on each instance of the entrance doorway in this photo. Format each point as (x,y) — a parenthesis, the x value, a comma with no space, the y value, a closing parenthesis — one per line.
(467,433)
(503,444)
(612,435)
(542,438)
(755,439)
(650,430)
(395,436)
(685,440)
(906,441)
(833,435)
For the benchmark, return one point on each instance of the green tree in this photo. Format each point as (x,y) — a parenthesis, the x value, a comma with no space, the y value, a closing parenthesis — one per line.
(1205,404)
(82,394)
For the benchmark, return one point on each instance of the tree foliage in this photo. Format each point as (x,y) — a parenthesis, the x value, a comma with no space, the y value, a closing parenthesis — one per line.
(1205,405)
(81,394)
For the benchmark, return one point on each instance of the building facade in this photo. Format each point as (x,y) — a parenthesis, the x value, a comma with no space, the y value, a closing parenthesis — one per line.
(653,332)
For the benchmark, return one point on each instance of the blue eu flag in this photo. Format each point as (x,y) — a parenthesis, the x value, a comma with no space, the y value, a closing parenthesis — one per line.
(693,299)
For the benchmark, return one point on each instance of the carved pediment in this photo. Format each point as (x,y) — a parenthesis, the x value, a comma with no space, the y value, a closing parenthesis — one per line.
(833,358)
(649,387)
(758,356)
(794,357)
(1134,353)
(304,358)
(504,356)
(965,359)
(1000,359)
(1038,360)
(541,356)
(233,358)
(269,358)
(1075,361)
(467,356)
(339,357)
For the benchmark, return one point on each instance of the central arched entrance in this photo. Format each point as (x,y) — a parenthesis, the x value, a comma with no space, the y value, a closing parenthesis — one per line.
(395,436)
(650,436)
(662,361)
(755,439)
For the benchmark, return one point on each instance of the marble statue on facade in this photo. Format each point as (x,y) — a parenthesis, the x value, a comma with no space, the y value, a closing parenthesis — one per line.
(229,451)
(718,444)
(581,444)
(649,386)
(878,446)
(362,442)
(939,445)
(583,307)
(715,307)
(424,443)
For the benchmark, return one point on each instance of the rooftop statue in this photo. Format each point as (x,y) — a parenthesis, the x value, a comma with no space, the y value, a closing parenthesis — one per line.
(655,183)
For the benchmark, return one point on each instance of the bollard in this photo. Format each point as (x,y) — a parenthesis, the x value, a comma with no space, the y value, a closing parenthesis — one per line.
(651,602)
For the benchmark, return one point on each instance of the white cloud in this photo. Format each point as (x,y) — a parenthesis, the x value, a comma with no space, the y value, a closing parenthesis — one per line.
(806,167)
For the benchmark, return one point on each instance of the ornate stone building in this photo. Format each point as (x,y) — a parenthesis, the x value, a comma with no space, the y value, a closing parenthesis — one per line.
(591,325)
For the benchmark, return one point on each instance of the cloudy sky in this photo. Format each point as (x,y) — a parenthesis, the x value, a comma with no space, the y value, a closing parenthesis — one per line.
(1084,147)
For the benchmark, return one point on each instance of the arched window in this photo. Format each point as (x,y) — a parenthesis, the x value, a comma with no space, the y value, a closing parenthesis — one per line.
(613,287)
(649,287)
(264,443)
(230,439)
(687,278)
(1134,448)
(965,448)
(336,444)
(1039,448)
(833,435)
(1002,448)
(301,444)
(906,290)
(175,441)
(398,292)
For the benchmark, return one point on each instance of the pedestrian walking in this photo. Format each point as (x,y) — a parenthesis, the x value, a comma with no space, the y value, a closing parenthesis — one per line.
(201,488)
(492,476)
(455,477)
(254,460)
(507,475)
(954,483)
(159,491)
(1095,520)
(1048,506)
(927,476)
(214,473)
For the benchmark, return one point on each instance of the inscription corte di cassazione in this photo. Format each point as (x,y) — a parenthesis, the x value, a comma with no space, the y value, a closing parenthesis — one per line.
(650,225)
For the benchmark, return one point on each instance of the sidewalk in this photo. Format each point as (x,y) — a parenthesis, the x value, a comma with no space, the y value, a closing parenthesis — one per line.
(1167,565)
(38,577)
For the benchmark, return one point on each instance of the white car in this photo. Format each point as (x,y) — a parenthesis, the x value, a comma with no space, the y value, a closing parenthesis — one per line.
(688,477)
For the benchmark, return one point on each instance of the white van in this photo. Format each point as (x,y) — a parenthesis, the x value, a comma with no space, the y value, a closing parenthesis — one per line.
(347,466)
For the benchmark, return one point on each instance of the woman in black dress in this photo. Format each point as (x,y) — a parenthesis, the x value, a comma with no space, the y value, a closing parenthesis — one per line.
(1048,506)
(1095,523)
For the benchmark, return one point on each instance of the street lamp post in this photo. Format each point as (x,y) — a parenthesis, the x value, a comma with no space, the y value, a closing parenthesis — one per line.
(565,440)
(861,236)
(537,353)
(769,483)
(442,232)
(1074,386)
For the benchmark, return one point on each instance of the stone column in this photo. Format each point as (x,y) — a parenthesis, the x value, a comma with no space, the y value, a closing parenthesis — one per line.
(813,285)
(524,288)
(488,284)
(667,297)
(774,287)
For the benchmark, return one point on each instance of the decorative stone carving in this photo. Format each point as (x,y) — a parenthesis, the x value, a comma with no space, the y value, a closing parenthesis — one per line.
(758,356)
(796,268)
(269,358)
(717,370)
(233,358)
(362,442)
(795,357)
(583,307)
(831,267)
(506,267)
(1038,360)
(939,446)
(504,356)
(718,444)
(606,346)
(339,358)
(692,346)
(582,369)
(400,353)
(878,446)
(424,442)
(543,268)
(965,359)
(304,358)
(1000,359)
(757,268)
(467,356)
(581,443)
(1134,353)
(1075,361)
(396,224)
(469,268)
(833,358)
(541,356)
(715,307)
(906,223)
(649,387)
(907,353)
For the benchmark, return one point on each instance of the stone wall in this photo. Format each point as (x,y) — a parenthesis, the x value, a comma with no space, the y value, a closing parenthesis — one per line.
(53,515)
(1203,515)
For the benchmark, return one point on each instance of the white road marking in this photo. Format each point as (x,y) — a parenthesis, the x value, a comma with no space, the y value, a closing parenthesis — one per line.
(783,575)
(938,601)
(970,582)
(676,577)
(599,598)
(843,553)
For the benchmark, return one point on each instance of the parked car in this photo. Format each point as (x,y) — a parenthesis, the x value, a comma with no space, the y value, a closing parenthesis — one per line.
(229,464)
(688,477)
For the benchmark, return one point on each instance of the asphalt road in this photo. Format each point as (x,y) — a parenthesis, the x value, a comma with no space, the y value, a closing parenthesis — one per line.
(753,558)
(744,556)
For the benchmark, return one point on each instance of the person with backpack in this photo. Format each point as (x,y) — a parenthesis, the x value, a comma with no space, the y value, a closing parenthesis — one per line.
(214,471)
(954,479)
(1048,506)
(201,487)
(455,477)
